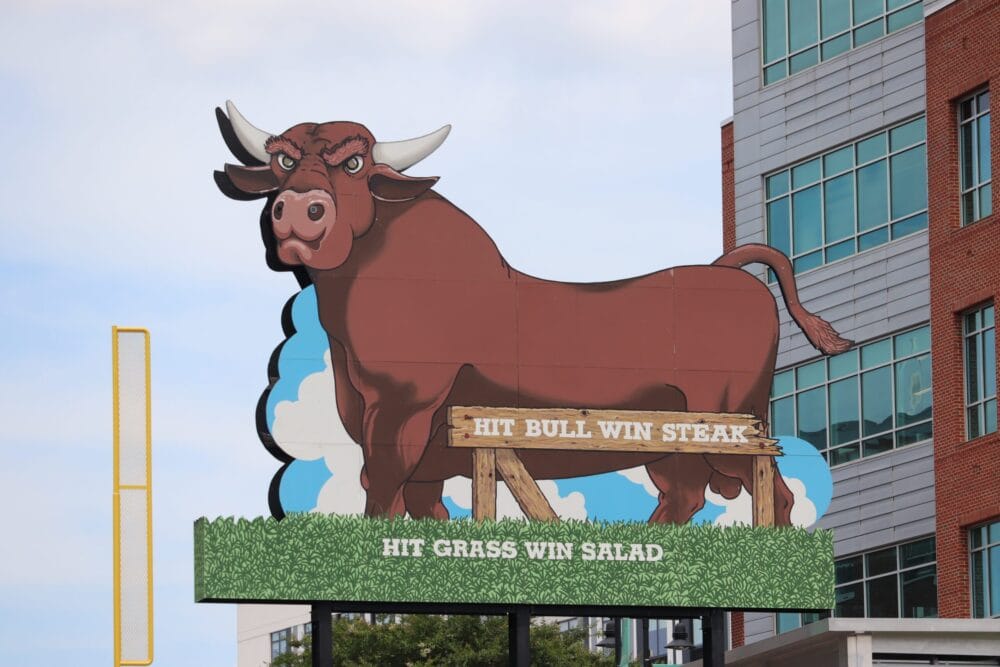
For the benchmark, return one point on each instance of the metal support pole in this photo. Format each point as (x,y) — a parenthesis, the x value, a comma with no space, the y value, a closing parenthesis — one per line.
(518,641)
(322,634)
(713,629)
(618,641)
(644,642)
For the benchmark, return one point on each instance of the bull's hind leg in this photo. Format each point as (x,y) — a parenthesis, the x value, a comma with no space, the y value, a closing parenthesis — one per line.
(423,500)
(681,480)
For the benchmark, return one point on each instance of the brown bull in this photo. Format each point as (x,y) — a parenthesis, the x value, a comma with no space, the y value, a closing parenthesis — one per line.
(422,313)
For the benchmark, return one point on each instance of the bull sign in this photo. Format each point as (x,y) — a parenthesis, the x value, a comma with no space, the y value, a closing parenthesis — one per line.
(544,385)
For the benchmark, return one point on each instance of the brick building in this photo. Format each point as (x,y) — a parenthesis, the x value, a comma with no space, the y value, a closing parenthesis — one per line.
(861,146)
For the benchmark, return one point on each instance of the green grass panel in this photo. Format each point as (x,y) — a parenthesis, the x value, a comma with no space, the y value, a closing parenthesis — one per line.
(307,557)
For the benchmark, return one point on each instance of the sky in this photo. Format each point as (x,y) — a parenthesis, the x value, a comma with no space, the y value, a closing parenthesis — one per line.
(585,141)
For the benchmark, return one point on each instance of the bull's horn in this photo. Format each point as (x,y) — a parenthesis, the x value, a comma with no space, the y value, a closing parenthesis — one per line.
(402,155)
(252,138)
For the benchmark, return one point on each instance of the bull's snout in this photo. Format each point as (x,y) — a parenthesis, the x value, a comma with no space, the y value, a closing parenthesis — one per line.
(305,215)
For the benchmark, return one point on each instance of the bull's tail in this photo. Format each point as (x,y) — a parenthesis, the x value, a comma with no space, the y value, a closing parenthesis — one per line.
(819,332)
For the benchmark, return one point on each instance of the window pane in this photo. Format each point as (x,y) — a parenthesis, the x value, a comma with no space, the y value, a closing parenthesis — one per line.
(872,239)
(807,228)
(994,532)
(844,411)
(994,581)
(972,372)
(916,553)
(874,354)
(802,24)
(844,363)
(801,61)
(873,204)
(909,226)
(912,342)
(838,205)
(882,598)
(967,155)
(805,173)
(775,72)
(774,29)
(811,411)
(990,421)
(778,228)
(847,569)
(914,434)
(850,601)
(905,17)
(878,444)
(876,403)
(866,9)
(978,575)
(974,425)
(811,374)
(807,262)
(783,417)
(919,592)
(777,185)
(985,170)
(836,46)
(989,363)
(871,148)
(986,200)
(840,251)
(909,182)
(908,134)
(835,16)
(845,454)
(786,621)
(783,383)
(867,33)
(893,4)
(913,390)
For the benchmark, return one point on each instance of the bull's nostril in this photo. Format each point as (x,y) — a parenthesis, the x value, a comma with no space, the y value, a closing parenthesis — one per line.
(315,211)
(278,209)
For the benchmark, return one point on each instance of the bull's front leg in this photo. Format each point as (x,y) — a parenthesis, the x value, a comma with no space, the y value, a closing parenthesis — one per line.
(397,428)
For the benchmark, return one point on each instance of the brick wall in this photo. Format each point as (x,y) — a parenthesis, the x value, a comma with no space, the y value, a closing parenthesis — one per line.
(728,190)
(963,55)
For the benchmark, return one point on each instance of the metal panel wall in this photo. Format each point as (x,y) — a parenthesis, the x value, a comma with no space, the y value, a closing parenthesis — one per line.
(887,498)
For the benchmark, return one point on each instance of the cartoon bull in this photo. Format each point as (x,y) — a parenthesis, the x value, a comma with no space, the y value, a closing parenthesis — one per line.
(423,313)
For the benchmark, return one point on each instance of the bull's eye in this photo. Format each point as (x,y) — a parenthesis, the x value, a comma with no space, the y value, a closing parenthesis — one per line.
(285,162)
(353,164)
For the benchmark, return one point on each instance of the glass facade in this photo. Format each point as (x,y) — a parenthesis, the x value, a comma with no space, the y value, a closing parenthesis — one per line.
(985,573)
(868,400)
(797,34)
(895,582)
(850,199)
(980,372)
(974,157)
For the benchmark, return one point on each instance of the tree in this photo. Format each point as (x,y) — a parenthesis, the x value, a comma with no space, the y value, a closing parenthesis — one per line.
(437,641)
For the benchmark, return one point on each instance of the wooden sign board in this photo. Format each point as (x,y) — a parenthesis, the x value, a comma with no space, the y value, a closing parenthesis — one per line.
(609,430)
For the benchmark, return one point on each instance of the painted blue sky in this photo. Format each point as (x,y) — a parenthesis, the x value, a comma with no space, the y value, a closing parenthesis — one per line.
(585,140)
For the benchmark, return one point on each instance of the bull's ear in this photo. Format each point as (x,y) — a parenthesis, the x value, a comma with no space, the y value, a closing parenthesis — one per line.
(252,180)
(387,184)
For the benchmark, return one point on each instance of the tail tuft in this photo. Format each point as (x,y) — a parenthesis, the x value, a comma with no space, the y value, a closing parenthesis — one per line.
(821,333)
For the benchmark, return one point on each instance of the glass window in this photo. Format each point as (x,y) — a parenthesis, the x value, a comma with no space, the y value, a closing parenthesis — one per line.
(848,200)
(280,642)
(985,570)
(974,157)
(895,582)
(980,372)
(868,400)
(799,33)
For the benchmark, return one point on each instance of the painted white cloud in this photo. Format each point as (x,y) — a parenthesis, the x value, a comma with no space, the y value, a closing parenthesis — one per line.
(640,476)
(739,510)
(570,506)
(310,428)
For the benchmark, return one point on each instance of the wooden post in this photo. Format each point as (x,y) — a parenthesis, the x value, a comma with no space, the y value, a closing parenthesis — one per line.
(523,487)
(763,491)
(484,484)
